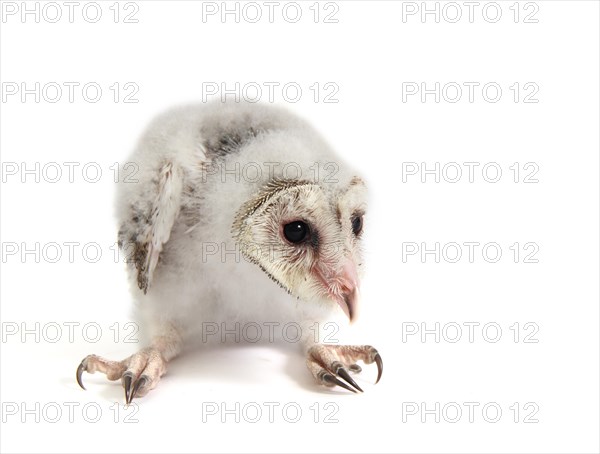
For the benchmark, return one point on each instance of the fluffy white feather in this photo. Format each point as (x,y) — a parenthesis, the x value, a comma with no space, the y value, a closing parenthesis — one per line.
(205,226)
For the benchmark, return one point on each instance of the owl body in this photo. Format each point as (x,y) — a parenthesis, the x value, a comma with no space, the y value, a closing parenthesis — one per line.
(201,227)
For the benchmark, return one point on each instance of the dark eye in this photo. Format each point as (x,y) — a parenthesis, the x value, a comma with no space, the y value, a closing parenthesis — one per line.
(357,224)
(296,232)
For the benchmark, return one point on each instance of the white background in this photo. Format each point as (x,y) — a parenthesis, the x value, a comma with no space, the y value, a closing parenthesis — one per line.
(369,53)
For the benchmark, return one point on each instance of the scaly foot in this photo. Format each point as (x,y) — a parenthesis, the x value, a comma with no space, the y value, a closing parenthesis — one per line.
(139,373)
(329,363)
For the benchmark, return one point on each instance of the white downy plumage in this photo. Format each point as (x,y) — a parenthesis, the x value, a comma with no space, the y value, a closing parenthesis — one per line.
(239,213)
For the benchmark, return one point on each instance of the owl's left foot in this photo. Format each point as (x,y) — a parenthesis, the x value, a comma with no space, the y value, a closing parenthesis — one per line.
(329,364)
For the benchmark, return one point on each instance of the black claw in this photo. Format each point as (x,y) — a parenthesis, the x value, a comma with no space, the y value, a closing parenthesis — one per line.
(379,363)
(346,376)
(333,379)
(127,379)
(136,387)
(80,370)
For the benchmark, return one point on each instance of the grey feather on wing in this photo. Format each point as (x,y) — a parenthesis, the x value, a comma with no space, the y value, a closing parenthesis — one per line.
(143,235)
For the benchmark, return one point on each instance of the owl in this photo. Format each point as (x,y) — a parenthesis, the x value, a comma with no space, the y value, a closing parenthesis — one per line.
(239,216)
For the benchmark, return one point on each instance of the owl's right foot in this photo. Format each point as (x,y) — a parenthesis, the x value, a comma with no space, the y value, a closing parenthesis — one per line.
(139,373)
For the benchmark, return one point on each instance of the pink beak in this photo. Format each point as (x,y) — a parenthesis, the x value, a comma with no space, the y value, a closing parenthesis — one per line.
(343,288)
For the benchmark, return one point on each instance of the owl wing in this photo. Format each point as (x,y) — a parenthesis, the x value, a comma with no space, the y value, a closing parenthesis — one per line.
(153,206)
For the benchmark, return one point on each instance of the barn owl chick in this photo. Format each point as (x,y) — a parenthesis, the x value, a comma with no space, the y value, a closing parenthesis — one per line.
(238,214)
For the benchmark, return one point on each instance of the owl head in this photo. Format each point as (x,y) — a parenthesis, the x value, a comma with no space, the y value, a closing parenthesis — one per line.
(306,236)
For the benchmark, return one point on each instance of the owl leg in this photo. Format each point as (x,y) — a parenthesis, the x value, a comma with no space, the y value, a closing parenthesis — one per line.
(140,372)
(329,364)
